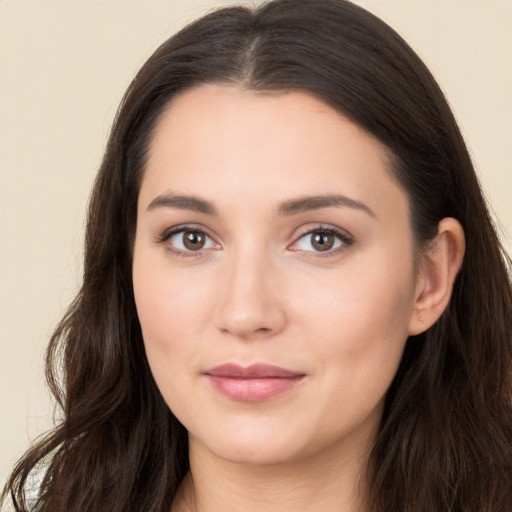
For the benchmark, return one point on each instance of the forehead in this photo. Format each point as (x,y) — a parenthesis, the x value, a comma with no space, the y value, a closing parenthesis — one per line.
(222,140)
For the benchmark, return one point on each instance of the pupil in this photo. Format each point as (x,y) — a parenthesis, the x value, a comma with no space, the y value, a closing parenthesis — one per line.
(323,241)
(194,240)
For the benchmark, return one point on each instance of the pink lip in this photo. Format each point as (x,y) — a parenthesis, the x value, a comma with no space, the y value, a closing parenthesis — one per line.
(255,383)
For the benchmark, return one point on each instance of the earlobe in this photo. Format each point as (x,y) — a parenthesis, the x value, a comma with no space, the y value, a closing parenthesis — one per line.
(439,267)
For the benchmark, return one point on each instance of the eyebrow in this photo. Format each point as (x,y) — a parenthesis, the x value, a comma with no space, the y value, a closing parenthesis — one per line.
(183,202)
(286,209)
(304,204)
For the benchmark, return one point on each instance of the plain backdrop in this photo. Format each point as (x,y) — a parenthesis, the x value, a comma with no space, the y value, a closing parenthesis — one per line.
(64,65)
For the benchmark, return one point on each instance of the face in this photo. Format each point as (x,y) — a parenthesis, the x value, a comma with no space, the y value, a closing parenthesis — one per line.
(273,273)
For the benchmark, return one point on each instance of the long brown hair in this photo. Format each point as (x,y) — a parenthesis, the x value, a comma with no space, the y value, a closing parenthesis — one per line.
(445,442)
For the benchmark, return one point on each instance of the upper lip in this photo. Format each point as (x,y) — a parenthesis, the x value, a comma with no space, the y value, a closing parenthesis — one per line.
(254,371)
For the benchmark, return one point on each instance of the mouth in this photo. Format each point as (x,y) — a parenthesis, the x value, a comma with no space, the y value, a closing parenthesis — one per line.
(254,383)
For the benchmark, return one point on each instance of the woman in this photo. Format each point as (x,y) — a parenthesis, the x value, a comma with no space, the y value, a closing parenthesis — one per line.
(293,296)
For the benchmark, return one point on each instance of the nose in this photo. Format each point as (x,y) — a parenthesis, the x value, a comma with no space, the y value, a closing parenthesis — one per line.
(250,301)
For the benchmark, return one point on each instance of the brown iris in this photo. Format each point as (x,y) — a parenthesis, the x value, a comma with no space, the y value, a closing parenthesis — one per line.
(194,240)
(322,241)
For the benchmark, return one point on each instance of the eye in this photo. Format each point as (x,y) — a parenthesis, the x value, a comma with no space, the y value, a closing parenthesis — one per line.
(187,240)
(322,240)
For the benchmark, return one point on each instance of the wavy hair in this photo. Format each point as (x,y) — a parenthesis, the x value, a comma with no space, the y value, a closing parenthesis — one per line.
(445,441)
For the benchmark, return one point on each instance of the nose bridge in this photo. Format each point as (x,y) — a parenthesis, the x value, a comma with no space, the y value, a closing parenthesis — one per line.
(249,301)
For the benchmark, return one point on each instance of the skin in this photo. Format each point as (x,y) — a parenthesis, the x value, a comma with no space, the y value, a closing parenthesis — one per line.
(259,291)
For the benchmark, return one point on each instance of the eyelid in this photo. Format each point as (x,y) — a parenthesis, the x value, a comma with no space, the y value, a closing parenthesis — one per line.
(343,235)
(174,230)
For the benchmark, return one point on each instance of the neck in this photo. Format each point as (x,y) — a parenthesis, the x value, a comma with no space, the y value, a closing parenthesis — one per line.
(334,480)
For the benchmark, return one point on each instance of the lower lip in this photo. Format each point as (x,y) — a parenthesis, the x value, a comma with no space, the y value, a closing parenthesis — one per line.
(253,389)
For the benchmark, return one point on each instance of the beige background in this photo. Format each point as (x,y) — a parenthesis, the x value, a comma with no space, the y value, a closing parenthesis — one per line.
(63,67)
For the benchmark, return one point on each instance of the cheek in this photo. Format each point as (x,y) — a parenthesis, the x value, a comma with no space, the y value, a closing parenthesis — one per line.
(165,310)
(359,321)
(168,300)
(356,332)
(170,311)
(169,345)
(360,300)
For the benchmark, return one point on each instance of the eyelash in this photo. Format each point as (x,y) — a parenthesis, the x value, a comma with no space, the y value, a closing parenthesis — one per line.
(169,233)
(344,237)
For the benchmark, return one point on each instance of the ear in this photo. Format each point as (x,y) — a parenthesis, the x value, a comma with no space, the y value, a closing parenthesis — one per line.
(438,269)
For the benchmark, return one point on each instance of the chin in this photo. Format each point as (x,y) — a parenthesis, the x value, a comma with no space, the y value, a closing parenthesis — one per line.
(256,454)
(255,446)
